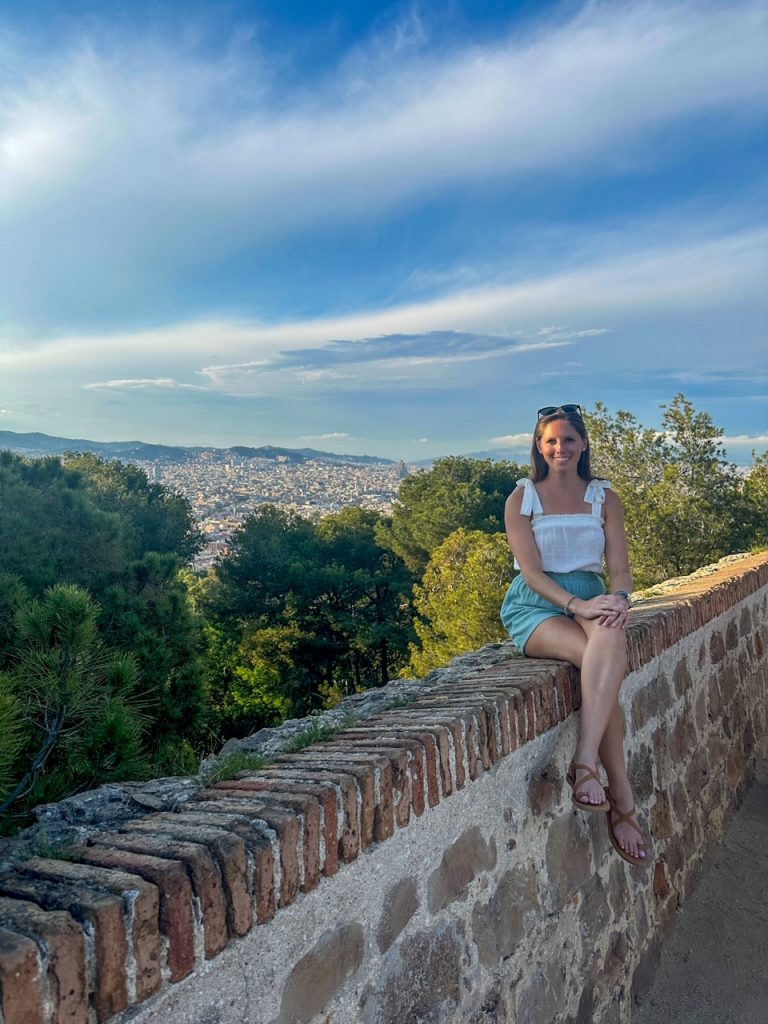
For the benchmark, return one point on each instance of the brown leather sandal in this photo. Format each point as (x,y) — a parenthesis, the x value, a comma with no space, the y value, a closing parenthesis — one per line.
(625,816)
(570,778)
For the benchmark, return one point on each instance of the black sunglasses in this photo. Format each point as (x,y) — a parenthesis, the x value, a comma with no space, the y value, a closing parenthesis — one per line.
(547,410)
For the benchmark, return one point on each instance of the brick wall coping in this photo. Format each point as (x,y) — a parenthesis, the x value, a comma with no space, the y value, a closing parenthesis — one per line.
(140,907)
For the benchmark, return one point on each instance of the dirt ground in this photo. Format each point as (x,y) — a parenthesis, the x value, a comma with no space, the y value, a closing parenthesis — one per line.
(714,969)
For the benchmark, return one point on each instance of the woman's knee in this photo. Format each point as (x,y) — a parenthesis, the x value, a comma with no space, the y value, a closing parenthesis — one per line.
(607,638)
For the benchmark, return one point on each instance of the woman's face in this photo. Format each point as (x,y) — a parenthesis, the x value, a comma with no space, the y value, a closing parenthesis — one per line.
(561,446)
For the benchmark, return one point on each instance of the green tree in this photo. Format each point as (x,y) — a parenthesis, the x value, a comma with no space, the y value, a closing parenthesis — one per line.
(755,493)
(106,528)
(300,614)
(51,529)
(683,501)
(149,614)
(160,520)
(459,598)
(73,722)
(456,492)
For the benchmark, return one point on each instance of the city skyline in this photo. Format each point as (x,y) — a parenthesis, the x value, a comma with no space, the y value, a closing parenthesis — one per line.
(382,229)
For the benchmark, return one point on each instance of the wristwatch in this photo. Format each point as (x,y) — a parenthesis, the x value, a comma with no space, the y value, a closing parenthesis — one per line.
(623,593)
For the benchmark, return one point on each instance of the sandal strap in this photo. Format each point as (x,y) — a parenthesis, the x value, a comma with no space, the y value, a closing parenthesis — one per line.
(625,817)
(591,773)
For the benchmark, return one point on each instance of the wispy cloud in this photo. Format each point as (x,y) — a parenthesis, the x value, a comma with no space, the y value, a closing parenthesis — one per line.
(746,440)
(143,384)
(511,441)
(106,144)
(337,435)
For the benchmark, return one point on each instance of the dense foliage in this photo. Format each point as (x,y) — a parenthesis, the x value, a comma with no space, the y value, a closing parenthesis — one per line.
(456,492)
(99,548)
(301,615)
(685,504)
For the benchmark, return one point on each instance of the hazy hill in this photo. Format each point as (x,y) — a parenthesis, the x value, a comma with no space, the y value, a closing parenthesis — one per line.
(44,444)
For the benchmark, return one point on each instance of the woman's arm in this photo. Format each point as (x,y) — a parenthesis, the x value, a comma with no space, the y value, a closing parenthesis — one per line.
(616,558)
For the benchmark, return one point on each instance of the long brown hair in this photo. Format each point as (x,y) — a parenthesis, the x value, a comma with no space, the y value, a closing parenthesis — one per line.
(539,467)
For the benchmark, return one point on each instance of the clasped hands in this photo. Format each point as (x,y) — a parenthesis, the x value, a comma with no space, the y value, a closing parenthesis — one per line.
(610,610)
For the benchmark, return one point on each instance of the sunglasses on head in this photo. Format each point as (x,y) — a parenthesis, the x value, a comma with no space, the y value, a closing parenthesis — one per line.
(547,410)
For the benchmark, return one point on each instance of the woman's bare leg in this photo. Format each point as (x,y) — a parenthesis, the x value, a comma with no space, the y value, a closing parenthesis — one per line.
(601,654)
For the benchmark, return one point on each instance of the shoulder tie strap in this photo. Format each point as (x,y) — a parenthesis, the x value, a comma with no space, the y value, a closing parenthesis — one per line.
(531,504)
(595,495)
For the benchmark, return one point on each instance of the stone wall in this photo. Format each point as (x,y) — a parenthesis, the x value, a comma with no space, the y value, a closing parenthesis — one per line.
(427,865)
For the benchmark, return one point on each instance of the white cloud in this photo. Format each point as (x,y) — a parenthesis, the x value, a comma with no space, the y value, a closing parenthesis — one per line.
(511,441)
(335,436)
(143,384)
(141,156)
(745,440)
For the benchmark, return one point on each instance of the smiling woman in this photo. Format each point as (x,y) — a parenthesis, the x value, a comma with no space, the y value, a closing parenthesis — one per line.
(562,524)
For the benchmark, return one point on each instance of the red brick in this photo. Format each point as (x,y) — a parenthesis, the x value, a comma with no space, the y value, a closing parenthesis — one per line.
(201,869)
(260,850)
(349,839)
(21,980)
(376,786)
(227,849)
(63,941)
(311,818)
(324,793)
(362,772)
(430,761)
(141,909)
(448,733)
(286,824)
(102,913)
(176,917)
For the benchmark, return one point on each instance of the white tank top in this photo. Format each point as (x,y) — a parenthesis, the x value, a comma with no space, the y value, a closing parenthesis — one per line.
(572,541)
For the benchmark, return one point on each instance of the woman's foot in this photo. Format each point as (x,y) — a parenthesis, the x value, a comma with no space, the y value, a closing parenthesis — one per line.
(588,791)
(624,830)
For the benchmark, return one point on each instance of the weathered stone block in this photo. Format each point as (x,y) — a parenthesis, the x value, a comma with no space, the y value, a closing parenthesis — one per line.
(682,678)
(652,701)
(401,902)
(716,647)
(731,636)
(745,622)
(641,767)
(568,860)
(423,985)
(461,862)
(661,817)
(697,772)
(544,996)
(682,739)
(319,975)
(544,791)
(595,914)
(499,925)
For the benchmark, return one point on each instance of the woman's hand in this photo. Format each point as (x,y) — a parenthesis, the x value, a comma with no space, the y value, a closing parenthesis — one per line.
(610,610)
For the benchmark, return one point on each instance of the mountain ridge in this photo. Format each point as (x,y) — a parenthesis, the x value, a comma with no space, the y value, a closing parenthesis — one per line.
(37,442)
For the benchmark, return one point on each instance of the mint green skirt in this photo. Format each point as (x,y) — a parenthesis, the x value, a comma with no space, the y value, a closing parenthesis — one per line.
(523,609)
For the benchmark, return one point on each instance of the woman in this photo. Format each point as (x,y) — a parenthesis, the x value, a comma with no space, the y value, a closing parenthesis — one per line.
(561,524)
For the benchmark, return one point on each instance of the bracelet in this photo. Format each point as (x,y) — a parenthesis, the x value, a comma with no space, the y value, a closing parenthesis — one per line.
(623,593)
(567,607)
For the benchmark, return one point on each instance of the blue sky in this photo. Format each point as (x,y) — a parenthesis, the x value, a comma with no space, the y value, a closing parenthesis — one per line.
(393,229)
